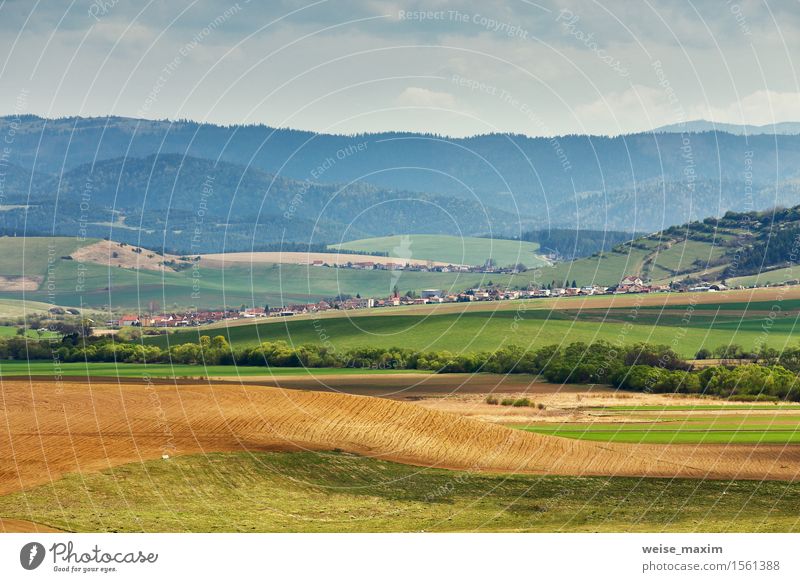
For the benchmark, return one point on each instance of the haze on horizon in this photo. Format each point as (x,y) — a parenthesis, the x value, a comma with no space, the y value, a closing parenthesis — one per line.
(453,68)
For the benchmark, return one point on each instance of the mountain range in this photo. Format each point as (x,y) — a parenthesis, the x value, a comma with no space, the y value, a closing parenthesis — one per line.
(142,181)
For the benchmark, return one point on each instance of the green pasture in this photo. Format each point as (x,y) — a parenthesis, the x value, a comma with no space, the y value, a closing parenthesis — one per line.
(328,492)
(482,330)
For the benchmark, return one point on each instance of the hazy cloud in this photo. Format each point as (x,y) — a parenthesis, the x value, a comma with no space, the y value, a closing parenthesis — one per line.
(350,64)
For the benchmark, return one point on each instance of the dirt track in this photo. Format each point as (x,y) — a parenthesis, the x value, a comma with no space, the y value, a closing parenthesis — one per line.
(49,430)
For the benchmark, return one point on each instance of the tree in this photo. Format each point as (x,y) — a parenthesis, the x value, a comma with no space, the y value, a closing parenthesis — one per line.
(702,354)
(129,334)
(218,342)
(72,328)
(574,284)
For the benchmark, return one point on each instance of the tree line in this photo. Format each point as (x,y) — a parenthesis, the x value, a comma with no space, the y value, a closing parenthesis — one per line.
(638,367)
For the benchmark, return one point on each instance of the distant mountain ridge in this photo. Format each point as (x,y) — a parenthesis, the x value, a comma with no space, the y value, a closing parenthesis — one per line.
(192,205)
(498,183)
(703,125)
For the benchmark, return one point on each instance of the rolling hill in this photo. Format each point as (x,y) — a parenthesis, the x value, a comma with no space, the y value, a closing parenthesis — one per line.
(451,249)
(740,248)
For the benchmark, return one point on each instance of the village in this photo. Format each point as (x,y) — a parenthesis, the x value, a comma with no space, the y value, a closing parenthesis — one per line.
(629,284)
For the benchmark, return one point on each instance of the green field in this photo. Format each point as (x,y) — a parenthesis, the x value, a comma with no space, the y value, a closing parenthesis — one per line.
(99,287)
(11,331)
(122,370)
(96,286)
(12,308)
(30,255)
(520,323)
(752,424)
(604,269)
(327,492)
(684,256)
(668,408)
(677,433)
(451,249)
(767,277)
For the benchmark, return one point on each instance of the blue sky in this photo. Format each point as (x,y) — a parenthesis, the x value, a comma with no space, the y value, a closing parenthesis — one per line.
(456,68)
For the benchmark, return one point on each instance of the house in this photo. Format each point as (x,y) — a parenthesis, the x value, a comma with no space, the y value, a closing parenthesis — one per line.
(253,312)
(430,293)
(129,320)
(631,281)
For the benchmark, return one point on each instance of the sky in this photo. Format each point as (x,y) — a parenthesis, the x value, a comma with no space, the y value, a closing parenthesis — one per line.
(455,68)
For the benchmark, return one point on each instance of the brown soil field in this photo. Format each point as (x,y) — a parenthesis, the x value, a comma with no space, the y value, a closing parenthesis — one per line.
(418,386)
(53,429)
(19,283)
(23,526)
(114,254)
(293,258)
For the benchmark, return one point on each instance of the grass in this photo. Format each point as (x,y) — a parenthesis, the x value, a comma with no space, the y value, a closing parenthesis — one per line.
(666,408)
(675,433)
(767,277)
(7,331)
(687,255)
(605,269)
(12,308)
(30,255)
(451,249)
(750,424)
(327,492)
(123,370)
(485,330)
(99,287)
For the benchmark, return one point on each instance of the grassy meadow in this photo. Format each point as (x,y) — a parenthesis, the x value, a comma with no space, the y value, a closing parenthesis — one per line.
(329,492)
(746,431)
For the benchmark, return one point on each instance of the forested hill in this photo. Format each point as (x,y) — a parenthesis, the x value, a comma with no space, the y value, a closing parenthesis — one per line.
(644,182)
(192,205)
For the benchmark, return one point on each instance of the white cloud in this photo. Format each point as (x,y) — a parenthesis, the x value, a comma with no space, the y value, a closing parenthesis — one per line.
(419,97)
(635,109)
(759,108)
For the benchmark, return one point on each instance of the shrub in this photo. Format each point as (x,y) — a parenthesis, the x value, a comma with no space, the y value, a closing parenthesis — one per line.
(521,402)
(507,402)
(491,400)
